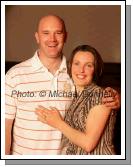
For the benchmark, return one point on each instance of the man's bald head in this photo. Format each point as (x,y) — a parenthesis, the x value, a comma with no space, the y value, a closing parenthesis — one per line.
(51,36)
(51,17)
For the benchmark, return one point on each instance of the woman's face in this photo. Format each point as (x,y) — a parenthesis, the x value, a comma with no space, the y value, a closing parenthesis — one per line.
(83,68)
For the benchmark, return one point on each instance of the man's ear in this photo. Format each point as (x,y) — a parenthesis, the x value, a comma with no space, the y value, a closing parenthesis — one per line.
(37,38)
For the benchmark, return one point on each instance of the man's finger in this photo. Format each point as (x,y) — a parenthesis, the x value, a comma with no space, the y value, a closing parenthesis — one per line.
(108,99)
(112,105)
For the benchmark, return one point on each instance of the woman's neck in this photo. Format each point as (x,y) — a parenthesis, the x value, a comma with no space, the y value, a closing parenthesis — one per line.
(79,88)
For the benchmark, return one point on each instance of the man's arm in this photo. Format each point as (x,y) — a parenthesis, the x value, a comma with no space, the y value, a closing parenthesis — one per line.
(8,138)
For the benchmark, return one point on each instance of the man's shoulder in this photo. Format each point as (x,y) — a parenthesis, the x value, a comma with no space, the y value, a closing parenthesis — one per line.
(20,67)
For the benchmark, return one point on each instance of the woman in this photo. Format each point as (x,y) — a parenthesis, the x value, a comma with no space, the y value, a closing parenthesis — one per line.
(88,124)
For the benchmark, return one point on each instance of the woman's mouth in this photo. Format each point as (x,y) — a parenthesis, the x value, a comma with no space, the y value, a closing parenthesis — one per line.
(80,76)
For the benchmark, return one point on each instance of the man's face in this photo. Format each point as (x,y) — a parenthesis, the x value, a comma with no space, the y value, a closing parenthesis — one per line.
(50,37)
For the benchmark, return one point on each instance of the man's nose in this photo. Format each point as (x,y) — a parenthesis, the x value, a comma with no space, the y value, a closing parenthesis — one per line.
(53,37)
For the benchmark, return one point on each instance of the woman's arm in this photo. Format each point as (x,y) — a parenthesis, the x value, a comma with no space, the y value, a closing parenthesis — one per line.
(95,124)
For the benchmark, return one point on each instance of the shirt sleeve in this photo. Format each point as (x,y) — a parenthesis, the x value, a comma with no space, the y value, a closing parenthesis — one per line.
(10,101)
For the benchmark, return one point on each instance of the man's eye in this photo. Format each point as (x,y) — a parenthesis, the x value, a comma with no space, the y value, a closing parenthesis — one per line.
(45,33)
(59,33)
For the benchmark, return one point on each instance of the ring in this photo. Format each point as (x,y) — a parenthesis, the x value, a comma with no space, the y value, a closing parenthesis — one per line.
(44,116)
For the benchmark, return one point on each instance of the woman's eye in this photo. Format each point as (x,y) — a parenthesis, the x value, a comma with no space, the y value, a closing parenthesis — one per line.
(89,65)
(76,63)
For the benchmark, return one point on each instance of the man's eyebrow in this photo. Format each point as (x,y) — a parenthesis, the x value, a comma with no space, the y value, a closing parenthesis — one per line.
(55,31)
(44,30)
(59,30)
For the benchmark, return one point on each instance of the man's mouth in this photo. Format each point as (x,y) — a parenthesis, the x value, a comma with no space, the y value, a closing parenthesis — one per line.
(52,46)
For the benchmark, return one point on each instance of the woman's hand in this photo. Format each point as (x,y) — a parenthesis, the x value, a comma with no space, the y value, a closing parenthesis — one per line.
(50,116)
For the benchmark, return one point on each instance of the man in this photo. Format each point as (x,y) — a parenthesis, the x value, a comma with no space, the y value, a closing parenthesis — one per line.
(29,84)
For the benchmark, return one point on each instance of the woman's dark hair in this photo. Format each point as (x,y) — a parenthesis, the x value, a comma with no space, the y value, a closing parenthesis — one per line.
(98,62)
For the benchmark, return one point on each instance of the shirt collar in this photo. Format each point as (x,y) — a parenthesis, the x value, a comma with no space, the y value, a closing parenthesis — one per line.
(37,64)
(63,66)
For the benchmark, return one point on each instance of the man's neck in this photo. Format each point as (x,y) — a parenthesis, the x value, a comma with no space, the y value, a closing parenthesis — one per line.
(52,64)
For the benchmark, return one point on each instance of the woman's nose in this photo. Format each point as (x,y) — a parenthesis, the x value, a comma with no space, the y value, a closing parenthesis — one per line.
(81,69)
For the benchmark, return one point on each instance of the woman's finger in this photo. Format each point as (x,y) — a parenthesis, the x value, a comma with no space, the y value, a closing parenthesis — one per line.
(54,109)
(42,108)
(38,112)
(42,119)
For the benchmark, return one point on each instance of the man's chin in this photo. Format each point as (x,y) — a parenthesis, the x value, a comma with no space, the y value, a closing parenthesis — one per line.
(54,55)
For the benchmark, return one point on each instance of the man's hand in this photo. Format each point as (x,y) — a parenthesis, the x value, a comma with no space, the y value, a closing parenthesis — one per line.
(111,98)
(8,137)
